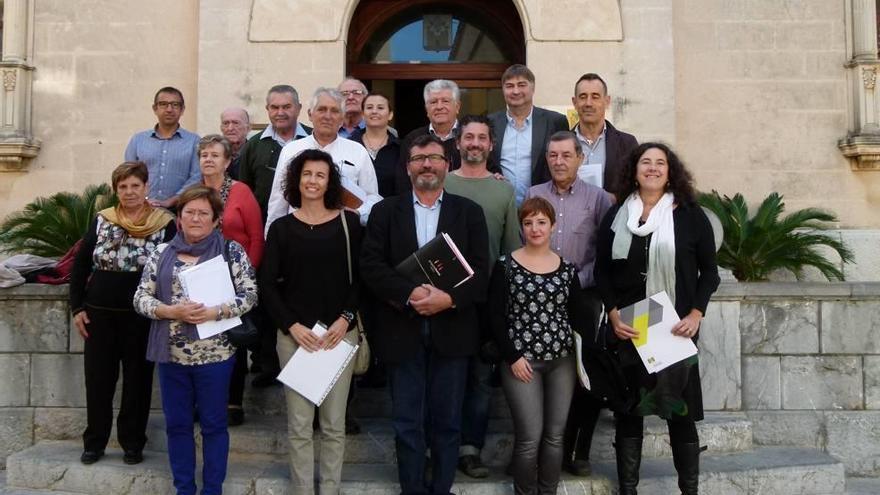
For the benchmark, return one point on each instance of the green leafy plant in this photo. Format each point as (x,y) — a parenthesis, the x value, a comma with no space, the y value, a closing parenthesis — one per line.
(755,246)
(51,226)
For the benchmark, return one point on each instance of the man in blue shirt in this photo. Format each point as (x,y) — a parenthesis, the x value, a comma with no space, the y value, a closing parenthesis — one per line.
(168,150)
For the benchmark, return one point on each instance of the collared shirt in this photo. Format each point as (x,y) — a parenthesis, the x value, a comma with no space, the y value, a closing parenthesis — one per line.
(173,163)
(269,132)
(592,169)
(427,218)
(447,137)
(354,164)
(579,210)
(516,156)
(343,132)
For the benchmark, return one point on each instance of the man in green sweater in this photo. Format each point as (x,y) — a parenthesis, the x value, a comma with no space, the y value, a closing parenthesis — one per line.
(496,196)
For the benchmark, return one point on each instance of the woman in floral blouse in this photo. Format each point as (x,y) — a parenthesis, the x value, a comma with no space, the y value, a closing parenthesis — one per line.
(102,282)
(194,373)
(534,307)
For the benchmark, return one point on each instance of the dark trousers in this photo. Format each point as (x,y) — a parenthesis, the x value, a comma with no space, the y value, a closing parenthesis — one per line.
(184,388)
(539,409)
(427,381)
(584,412)
(117,337)
(239,373)
(631,426)
(475,411)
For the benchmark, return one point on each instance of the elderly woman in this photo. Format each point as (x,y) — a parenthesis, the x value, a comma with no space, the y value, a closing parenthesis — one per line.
(193,372)
(310,275)
(102,282)
(534,305)
(241,222)
(657,239)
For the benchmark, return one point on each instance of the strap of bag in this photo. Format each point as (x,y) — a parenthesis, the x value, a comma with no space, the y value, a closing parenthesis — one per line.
(348,259)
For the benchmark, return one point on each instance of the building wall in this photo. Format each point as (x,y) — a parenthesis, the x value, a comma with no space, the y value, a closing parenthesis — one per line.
(761,101)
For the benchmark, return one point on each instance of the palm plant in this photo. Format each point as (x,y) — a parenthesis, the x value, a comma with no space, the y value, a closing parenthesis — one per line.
(756,246)
(51,226)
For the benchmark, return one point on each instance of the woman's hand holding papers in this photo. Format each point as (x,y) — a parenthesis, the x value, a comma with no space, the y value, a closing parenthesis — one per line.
(621,329)
(334,334)
(304,337)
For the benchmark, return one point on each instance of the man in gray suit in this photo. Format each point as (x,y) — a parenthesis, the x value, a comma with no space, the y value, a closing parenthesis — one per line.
(523,130)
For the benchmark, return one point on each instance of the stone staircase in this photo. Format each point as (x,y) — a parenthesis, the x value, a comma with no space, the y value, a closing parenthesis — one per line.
(257,463)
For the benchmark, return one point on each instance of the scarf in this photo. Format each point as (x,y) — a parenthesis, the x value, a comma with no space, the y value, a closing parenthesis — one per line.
(158,348)
(224,195)
(151,221)
(661,252)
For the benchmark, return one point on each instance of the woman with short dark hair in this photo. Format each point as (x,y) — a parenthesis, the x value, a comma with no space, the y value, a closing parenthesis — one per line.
(194,373)
(103,280)
(656,238)
(310,275)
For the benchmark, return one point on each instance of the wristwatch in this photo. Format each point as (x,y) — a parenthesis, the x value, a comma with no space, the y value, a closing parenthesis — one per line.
(348,316)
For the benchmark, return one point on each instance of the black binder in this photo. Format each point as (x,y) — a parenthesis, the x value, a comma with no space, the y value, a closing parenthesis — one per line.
(438,263)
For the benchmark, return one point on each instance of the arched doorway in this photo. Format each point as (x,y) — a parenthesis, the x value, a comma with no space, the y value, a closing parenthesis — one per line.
(396,46)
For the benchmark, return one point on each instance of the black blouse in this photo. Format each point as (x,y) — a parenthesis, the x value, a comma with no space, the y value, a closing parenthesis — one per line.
(386,162)
(304,273)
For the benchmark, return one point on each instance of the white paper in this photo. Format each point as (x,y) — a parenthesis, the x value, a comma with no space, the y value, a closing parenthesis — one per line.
(579,353)
(210,283)
(313,374)
(658,347)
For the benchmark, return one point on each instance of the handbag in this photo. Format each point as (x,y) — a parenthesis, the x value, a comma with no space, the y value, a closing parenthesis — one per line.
(246,334)
(362,358)
(602,363)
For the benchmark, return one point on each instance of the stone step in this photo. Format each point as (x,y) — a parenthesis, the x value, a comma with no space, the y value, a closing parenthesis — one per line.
(780,471)
(721,432)
(862,486)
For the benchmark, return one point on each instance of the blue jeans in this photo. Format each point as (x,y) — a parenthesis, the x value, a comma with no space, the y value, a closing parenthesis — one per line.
(432,382)
(185,388)
(475,414)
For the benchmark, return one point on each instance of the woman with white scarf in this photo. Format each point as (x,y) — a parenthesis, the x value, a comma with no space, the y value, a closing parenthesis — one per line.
(657,239)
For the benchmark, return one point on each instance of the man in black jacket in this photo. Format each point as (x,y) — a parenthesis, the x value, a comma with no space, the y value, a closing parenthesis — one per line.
(423,333)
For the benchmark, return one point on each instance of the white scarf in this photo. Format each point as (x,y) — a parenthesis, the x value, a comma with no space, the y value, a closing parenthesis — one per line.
(661,252)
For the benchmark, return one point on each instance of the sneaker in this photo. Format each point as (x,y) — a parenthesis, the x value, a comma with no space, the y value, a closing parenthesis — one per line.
(133,457)
(472,466)
(91,456)
(235,416)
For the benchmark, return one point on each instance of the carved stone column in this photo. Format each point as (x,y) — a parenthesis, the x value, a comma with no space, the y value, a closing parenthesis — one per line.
(17,143)
(862,143)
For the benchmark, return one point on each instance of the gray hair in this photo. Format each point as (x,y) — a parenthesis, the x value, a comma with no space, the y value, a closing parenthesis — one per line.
(349,78)
(332,93)
(440,85)
(283,88)
(212,139)
(559,136)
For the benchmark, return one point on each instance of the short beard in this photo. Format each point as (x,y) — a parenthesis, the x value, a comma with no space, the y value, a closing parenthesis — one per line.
(425,184)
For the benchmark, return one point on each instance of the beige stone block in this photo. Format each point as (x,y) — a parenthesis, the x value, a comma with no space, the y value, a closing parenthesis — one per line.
(802,35)
(697,36)
(33,326)
(602,24)
(864,244)
(872,381)
(825,64)
(822,382)
(654,24)
(58,423)
(745,35)
(16,431)
(315,20)
(712,10)
(14,385)
(57,380)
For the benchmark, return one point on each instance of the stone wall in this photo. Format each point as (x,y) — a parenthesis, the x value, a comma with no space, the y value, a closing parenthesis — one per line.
(803,361)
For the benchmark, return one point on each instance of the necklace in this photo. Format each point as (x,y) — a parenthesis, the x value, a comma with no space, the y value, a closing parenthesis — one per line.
(372,149)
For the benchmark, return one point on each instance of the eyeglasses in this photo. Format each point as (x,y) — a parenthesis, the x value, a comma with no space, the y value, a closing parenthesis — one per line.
(434,158)
(356,92)
(193,214)
(173,104)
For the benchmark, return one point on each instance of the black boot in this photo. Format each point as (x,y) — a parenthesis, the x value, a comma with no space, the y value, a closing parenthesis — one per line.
(686,457)
(629,459)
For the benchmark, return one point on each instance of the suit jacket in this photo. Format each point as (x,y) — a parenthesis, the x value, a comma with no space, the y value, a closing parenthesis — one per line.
(618,146)
(544,124)
(391,238)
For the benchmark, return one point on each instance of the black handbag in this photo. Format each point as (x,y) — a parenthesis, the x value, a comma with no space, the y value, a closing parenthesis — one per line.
(247,334)
(603,366)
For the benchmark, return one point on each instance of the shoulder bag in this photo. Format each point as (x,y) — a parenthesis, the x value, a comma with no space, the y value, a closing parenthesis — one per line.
(362,358)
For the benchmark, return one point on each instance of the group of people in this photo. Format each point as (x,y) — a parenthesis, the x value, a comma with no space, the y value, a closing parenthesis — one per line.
(562,227)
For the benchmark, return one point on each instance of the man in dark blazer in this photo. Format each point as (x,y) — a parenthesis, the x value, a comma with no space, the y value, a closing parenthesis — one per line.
(423,333)
(523,130)
(605,147)
(604,150)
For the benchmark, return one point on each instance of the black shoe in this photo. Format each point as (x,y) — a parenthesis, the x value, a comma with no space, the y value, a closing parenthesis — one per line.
(472,466)
(686,457)
(91,456)
(265,380)
(579,467)
(235,416)
(133,457)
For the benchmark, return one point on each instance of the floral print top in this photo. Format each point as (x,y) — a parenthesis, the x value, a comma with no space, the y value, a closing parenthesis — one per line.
(204,351)
(538,320)
(117,251)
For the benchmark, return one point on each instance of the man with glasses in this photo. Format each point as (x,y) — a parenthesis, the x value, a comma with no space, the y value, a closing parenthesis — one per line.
(354,93)
(168,150)
(426,335)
